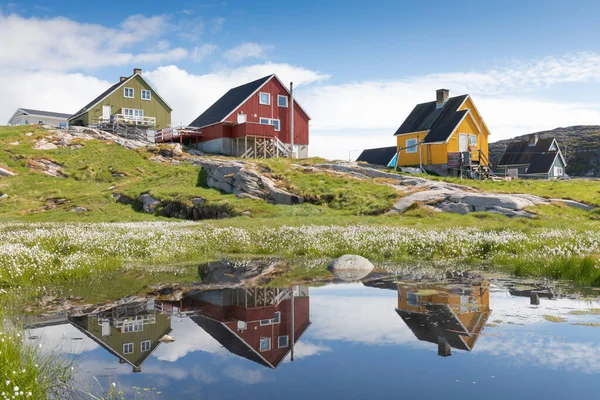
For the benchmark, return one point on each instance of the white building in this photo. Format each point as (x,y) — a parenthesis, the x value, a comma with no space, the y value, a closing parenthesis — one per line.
(26,116)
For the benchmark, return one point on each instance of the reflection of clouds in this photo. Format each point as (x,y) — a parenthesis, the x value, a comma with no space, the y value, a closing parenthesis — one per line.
(247,376)
(370,319)
(60,338)
(189,338)
(307,349)
(547,352)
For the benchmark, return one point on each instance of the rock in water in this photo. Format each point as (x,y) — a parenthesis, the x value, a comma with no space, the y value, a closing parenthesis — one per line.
(350,267)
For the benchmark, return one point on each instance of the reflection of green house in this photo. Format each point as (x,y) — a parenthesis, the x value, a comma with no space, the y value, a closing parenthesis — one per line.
(130,332)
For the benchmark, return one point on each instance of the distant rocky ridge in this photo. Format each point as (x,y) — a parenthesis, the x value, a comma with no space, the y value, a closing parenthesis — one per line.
(579,144)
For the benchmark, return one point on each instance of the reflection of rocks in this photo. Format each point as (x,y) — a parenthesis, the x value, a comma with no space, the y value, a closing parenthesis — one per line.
(232,273)
(350,267)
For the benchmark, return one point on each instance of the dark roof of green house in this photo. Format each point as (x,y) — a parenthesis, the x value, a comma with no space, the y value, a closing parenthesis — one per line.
(440,122)
(521,153)
(542,163)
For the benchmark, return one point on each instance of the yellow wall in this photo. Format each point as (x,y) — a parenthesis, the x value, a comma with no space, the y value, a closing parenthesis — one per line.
(432,154)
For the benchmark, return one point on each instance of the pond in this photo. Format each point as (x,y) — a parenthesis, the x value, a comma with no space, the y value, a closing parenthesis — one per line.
(381,338)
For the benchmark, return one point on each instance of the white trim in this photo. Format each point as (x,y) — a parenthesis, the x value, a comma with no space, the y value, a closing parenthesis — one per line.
(278,128)
(252,94)
(274,315)
(36,115)
(267,119)
(259,344)
(413,148)
(475,107)
(142,346)
(125,89)
(268,322)
(260,94)
(287,100)
(132,348)
(149,94)
(287,341)
(117,88)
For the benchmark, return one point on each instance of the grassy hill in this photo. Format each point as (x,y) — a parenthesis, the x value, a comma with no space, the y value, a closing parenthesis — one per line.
(580,145)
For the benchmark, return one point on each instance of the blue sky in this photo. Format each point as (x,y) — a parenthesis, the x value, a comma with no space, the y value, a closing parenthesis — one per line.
(526,59)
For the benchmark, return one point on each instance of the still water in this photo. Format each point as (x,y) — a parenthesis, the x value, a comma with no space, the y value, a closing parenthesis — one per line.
(382,339)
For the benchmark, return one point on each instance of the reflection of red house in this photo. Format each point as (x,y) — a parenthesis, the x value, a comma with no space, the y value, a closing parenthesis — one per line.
(253,323)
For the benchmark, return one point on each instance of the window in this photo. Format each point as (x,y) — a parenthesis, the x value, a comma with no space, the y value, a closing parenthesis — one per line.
(514,172)
(26,122)
(277,318)
(128,348)
(62,124)
(558,171)
(472,140)
(41,122)
(264,322)
(265,344)
(268,121)
(242,325)
(128,93)
(145,345)
(145,94)
(275,123)
(282,101)
(264,98)
(132,113)
(412,299)
(411,145)
(282,341)
(133,326)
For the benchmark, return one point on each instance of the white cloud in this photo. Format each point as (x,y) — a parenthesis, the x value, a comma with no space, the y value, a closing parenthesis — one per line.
(245,51)
(64,338)
(200,53)
(65,45)
(304,349)
(247,376)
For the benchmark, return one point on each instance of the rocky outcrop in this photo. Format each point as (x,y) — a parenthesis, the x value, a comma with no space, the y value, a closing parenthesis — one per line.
(350,267)
(47,167)
(449,197)
(5,172)
(242,180)
(173,209)
(148,203)
(234,273)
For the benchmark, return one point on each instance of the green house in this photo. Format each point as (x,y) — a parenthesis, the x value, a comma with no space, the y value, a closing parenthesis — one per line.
(131,101)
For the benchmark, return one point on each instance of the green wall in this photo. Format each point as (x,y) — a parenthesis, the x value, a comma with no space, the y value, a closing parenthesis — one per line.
(154,107)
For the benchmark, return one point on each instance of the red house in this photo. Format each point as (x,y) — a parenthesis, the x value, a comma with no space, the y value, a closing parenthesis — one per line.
(255,120)
(255,323)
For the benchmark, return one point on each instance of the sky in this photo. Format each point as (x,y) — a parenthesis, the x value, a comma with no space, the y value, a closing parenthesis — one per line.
(358,68)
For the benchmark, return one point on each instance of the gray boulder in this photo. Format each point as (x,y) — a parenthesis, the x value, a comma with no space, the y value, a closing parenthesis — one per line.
(149,203)
(5,172)
(350,267)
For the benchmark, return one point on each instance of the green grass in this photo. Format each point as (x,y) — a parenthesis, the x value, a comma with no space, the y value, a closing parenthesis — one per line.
(554,318)
(591,311)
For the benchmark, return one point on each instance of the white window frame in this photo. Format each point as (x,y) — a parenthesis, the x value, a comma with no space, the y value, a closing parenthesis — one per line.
(278,126)
(148,346)
(260,100)
(410,149)
(473,143)
(242,325)
(265,322)
(281,96)
(412,299)
(149,94)
(558,171)
(260,121)
(133,326)
(260,341)
(277,318)
(125,93)
(127,346)
(287,341)
(132,115)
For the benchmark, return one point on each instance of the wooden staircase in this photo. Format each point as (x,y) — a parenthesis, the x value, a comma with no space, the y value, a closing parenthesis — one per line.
(270,147)
(121,129)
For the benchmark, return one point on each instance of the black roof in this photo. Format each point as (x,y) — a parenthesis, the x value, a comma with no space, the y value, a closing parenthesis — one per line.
(379,156)
(521,153)
(228,103)
(230,340)
(440,122)
(541,163)
(100,97)
(45,113)
(440,322)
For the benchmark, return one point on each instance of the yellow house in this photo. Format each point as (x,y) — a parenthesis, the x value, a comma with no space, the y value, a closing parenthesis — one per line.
(440,135)
(455,315)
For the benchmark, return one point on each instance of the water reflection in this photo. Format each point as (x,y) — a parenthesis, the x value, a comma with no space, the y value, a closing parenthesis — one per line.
(449,316)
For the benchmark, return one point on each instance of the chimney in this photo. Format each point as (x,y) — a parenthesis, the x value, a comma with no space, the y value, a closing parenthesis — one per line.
(137,369)
(137,71)
(123,79)
(441,97)
(533,139)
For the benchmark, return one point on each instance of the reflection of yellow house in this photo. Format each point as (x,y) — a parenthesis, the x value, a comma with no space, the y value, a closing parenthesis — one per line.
(453,315)
(130,332)
(436,133)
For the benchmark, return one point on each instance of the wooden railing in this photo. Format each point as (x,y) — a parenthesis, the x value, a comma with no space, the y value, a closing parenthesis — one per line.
(129,120)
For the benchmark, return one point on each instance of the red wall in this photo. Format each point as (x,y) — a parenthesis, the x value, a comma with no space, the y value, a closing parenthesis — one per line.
(252,107)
